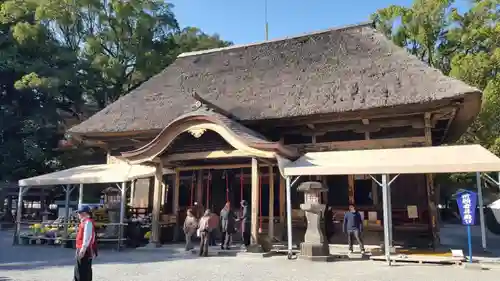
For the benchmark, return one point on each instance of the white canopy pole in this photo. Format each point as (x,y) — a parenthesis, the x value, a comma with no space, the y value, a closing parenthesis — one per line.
(67,189)
(389,207)
(80,195)
(481,209)
(387,219)
(498,180)
(132,192)
(289,215)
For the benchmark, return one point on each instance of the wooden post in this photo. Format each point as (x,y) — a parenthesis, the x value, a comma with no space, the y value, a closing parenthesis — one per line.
(282,203)
(271,203)
(375,188)
(431,196)
(324,194)
(255,202)
(175,205)
(351,189)
(155,223)
(199,187)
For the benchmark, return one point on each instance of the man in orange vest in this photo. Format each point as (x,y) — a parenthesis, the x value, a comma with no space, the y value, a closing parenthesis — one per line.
(86,246)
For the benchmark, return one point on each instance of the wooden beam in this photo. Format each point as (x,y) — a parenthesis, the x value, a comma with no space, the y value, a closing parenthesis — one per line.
(430,187)
(255,202)
(363,144)
(390,112)
(271,203)
(367,126)
(218,167)
(218,154)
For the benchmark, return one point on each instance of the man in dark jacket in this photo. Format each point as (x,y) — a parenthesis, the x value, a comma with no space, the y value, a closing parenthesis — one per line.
(245,223)
(228,225)
(353,226)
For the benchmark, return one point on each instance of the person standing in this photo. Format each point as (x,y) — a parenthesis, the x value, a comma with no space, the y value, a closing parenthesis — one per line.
(228,224)
(204,230)
(213,228)
(190,226)
(245,223)
(329,226)
(353,226)
(86,245)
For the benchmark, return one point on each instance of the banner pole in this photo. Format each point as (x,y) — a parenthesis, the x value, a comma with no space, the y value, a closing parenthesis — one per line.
(469,242)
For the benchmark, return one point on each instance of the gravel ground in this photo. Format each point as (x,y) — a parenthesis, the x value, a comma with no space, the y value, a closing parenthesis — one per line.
(44,263)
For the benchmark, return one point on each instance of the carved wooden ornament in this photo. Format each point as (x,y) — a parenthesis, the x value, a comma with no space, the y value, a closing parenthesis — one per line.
(197,132)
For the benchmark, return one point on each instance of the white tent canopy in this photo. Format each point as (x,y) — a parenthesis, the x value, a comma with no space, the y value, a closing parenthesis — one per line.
(419,160)
(89,174)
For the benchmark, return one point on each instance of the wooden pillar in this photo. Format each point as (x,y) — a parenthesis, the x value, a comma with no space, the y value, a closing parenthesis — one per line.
(324,194)
(255,202)
(199,187)
(271,203)
(157,200)
(43,204)
(351,188)
(282,203)
(175,202)
(431,196)
(375,188)
(175,205)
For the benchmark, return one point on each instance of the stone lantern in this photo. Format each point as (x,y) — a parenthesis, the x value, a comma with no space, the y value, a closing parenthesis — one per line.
(315,246)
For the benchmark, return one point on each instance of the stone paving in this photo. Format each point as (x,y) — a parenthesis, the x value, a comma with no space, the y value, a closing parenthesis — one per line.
(45,263)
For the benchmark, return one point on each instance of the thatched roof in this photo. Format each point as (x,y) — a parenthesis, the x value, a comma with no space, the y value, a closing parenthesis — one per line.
(338,70)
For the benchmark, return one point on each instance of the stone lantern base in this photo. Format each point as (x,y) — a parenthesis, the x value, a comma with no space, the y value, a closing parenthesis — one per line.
(315,252)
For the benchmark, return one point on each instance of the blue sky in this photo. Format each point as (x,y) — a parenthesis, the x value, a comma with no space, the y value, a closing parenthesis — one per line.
(242,21)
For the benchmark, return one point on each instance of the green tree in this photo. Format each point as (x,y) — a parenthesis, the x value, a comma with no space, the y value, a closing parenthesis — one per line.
(34,82)
(462,45)
(61,60)
(193,39)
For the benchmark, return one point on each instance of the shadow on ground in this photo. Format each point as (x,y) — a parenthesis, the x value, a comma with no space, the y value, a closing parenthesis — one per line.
(35,257)
(29,257)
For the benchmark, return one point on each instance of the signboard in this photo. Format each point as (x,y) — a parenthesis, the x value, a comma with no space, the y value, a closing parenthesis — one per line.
(466,202)
(412,211)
